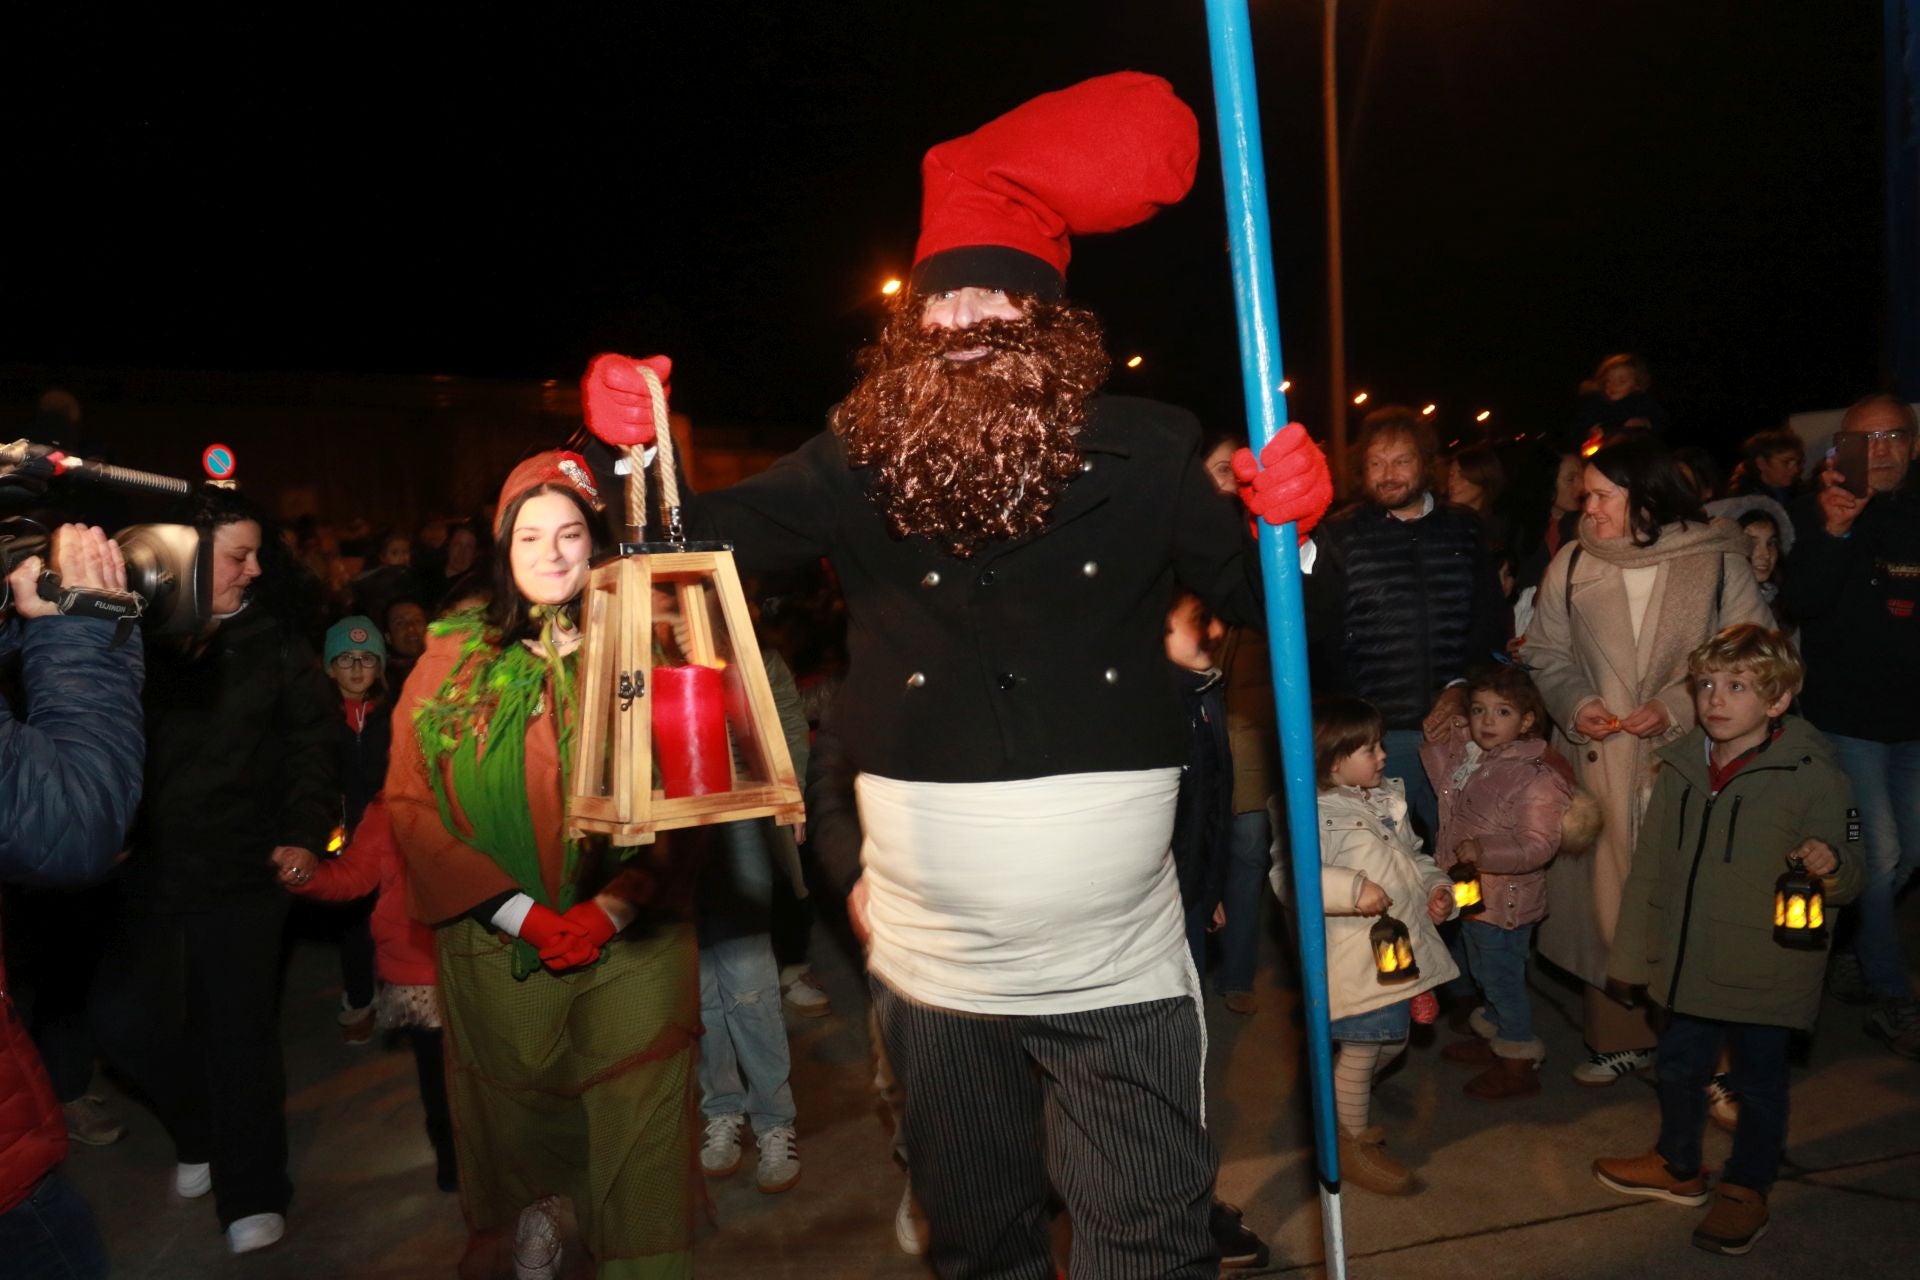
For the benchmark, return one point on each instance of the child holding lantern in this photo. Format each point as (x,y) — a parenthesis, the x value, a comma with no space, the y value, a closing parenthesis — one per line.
(1371,861)
(1503,794)
(1705,929)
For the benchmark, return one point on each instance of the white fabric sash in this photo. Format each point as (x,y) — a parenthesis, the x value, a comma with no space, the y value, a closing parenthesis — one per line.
(1043,895)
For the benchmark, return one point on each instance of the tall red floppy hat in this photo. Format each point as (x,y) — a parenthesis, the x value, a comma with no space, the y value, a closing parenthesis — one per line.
(999,205)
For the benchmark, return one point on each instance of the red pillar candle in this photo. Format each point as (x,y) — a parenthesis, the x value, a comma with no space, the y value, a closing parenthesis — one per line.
(690,731)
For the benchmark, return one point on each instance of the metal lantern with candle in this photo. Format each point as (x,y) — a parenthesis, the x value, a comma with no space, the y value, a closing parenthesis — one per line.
(677,724)
(1393,959)
(1799,909)
(1466,887)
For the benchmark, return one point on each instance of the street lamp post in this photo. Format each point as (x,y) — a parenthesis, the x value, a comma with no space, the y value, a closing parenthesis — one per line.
(1336,299)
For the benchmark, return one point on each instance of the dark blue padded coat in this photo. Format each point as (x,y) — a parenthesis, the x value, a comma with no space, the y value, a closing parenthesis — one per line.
(70,773)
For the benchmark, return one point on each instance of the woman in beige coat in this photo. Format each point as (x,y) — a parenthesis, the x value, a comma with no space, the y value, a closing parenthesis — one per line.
(1617,613)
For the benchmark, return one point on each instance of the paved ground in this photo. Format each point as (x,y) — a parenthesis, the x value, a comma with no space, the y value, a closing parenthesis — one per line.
(1507,1192)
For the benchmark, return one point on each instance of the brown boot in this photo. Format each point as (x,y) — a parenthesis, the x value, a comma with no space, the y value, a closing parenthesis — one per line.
(1365,1163)
(1506,1078)
(1473,1052)
(1737,1219)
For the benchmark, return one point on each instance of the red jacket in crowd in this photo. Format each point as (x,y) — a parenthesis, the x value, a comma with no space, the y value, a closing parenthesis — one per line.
(33,1132)
(403,947)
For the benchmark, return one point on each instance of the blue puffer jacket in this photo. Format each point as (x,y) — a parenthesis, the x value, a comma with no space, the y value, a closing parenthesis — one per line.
(70,775)
(1398,608)
(69,782)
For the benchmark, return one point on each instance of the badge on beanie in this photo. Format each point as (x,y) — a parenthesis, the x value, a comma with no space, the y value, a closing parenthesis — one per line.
(581,480)
(358,635)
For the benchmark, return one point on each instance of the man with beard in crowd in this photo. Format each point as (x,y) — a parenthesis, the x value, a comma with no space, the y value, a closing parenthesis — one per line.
(1403,599)
(1008,541)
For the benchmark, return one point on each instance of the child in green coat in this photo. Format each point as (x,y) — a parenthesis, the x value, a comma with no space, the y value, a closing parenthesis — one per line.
(1747,793)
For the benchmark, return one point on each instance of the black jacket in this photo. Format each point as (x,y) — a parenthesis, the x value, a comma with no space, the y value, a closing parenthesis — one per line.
(833,810)
(1857,599)
(1039,656)
(70,773)
(1203,813)
(1398,608)
(241,741)
(362,756)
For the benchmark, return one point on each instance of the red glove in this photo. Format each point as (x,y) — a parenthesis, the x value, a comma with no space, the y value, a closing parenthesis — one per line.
(559,940)
(592,920)
(1426,1008)
(1290,483)
(615,398)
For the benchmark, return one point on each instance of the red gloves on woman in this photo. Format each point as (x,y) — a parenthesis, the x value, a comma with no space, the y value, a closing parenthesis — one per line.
(569,941)
(1289,483)
(561,942)
(618,406)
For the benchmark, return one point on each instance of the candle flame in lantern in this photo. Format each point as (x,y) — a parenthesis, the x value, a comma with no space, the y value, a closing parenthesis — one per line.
(337,841)
(1405,953)
(1386,959)
(1466,893)
(1816,913)
(1796,912)
(1779,909)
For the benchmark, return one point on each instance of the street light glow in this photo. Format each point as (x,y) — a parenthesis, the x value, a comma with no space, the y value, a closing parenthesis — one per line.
(1360,399)
(891,287)
(1134,362)
(1483,415)
(1428,411)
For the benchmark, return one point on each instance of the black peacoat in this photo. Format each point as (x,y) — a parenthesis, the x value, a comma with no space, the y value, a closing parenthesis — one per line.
(1038,656)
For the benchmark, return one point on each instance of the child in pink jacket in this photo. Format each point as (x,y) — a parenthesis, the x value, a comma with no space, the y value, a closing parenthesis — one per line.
(403,957)
(1503,795)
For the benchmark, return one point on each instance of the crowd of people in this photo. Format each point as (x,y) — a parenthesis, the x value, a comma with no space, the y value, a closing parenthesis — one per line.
(1579,704)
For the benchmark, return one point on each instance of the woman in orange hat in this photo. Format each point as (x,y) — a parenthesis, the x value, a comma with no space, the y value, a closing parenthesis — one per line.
(569,985)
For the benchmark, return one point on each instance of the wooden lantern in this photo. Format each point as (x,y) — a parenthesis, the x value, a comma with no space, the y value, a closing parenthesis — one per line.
(1799,910)
(1393,960)
(1466,887)
(677,726)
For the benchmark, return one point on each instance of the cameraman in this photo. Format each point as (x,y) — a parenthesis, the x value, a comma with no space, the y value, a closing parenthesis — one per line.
(69,782)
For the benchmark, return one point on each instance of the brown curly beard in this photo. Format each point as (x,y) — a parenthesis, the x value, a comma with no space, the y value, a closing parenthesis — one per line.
(968,453)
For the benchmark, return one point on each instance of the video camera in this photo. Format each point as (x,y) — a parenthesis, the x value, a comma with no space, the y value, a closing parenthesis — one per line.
(169,566)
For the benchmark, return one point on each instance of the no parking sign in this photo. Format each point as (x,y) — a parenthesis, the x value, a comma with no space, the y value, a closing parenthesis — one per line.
(218,462)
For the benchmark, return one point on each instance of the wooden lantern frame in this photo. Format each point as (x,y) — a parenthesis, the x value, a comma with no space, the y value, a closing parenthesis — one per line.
(611,792)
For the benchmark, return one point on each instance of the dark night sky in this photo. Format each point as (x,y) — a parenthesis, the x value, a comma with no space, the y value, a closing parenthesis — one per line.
(1531,184)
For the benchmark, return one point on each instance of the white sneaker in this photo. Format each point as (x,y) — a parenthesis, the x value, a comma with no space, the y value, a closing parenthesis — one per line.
(779,1159)
(720,1153)
(89,1121)
(1723,1104)
(910,1224)
(255,1231)
(536,1241)
(1605,1068)
(803,993)
(191,1181)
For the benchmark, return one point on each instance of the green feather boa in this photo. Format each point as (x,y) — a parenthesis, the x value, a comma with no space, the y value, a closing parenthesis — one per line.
(474,735)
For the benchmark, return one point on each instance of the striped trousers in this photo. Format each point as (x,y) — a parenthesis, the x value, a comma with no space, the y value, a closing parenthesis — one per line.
(1102,1106)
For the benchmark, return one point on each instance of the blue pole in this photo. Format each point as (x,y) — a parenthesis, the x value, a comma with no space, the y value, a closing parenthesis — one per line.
(1237,106)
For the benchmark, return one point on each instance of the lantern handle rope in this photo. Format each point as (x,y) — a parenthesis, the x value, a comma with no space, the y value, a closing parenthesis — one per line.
(637,492)
(663,459)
